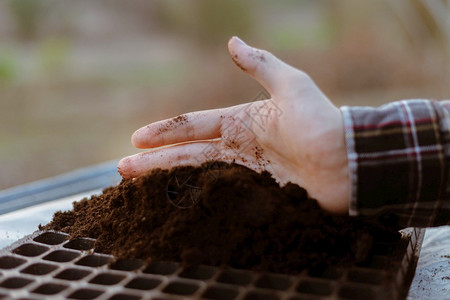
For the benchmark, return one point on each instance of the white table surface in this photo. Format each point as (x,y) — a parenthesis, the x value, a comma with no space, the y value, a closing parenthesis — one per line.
(432,279)
(19,223)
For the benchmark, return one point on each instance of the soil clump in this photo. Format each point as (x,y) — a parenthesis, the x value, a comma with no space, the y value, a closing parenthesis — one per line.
(219,214)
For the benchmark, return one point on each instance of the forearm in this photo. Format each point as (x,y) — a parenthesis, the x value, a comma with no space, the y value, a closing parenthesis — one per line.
(399,161)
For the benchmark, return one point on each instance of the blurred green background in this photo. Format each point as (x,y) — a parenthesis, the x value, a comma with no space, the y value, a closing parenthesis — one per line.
(78,77)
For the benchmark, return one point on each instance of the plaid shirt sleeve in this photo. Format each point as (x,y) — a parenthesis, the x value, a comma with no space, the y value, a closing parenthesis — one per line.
(399,158)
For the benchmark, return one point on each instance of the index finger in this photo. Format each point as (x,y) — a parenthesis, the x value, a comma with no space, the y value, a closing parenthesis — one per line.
(194,126)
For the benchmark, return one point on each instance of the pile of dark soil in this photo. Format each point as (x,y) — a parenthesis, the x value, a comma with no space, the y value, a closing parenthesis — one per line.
(218,214)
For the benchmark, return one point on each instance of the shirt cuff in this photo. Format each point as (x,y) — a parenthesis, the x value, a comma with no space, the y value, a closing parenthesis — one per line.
(352,159)
(398,161)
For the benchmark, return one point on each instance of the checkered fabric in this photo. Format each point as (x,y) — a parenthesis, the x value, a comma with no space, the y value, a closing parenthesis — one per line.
(399,158)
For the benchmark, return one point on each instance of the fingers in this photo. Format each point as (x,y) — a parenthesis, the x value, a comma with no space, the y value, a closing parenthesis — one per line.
(187,127)
(277,77)
(168,157)
(195,126)
(192,154)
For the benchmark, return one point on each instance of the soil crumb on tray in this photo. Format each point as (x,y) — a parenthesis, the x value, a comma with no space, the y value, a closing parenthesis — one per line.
(218,214)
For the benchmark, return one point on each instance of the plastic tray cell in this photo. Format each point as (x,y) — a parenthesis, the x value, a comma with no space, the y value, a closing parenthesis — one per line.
(47,265)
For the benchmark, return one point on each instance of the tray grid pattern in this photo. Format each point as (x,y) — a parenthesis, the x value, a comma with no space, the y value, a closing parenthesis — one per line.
(46,265)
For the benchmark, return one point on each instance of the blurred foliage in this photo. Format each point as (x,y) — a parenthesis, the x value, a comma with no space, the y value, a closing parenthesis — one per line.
(8,67)
(27,15)
(294,38)
(208,22)
(219,20)
(54,54)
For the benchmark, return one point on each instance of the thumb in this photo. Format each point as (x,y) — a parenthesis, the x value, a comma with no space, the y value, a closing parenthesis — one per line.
(274,75)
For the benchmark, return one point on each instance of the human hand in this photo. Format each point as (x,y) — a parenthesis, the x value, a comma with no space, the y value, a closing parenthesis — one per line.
(297,135)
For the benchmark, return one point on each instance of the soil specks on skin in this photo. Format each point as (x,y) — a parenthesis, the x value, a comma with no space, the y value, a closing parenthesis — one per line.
(258,55)
(231,144)
(255,55)
(234,57)
(119,169)
(173,123)
(259,157)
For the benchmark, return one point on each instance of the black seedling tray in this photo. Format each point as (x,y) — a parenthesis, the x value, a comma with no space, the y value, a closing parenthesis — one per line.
(46,265)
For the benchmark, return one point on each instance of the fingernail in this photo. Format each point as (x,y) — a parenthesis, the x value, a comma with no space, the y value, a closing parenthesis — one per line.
(240,41)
